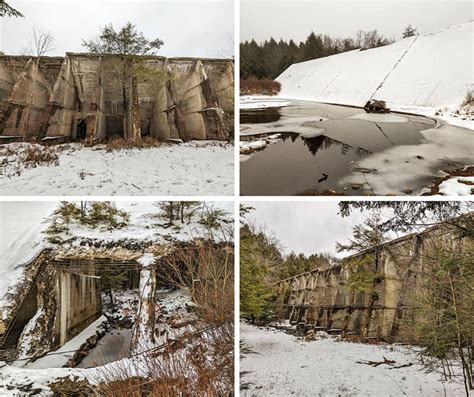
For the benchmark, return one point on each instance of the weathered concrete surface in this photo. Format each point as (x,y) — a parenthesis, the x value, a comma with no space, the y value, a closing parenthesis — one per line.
(55,304)
(96,97)
(321,299)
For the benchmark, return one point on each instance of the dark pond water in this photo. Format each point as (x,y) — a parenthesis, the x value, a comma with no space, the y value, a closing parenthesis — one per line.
(319,145)
(114,346)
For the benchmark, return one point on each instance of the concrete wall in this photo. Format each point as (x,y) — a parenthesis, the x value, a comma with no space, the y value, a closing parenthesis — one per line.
(79,302)
(321,299)
(186,98)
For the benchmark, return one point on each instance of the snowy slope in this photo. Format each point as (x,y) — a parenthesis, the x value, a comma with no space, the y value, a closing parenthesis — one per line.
(20,238)
(428,71)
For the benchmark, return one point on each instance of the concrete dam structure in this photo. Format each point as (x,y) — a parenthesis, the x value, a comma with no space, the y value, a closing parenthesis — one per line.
(99,97)
(321,299)
(428,71)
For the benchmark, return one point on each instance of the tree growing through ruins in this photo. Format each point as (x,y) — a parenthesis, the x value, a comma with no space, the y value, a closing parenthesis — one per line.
(8,11)
(365,270)
(111,281)
(128,70)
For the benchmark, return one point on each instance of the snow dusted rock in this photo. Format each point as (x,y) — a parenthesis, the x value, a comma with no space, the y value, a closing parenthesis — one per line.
(457,186)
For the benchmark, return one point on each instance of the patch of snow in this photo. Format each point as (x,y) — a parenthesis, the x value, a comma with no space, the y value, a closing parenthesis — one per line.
(249,145)
(24,343)
(146,260)
(380,118)
(60,357)
(455,186)
(401,168)
(295,123)
(192,168)
(277,364)
(21,240)
(12,379)
(261,102)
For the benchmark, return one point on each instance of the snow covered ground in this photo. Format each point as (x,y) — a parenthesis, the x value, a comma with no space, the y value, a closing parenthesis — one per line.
(277,364)
(428,74)
(192,168)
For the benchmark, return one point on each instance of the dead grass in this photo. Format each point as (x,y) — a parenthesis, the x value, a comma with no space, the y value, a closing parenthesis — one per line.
(121,143)
(196,364)
(39,155)
(469,98)
(202,366)
(254,86)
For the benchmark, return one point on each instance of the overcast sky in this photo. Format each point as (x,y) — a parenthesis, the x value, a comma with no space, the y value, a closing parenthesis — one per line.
(295,19)
(194,28)
(306,227)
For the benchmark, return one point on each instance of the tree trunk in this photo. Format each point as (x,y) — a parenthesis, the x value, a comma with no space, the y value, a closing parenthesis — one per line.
(131,107)
(465,367)
(25,132)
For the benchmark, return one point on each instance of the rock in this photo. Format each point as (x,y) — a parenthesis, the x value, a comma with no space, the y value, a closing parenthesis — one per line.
(375,106)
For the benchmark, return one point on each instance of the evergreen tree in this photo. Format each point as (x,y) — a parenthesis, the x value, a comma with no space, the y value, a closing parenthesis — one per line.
(168,210)
(258,256)
(111,281)
(8,11)
(409,32)
(126,41)
(365,272)
(128,70)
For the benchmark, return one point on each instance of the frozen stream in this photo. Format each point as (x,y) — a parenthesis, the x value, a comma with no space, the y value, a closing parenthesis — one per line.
(329,149)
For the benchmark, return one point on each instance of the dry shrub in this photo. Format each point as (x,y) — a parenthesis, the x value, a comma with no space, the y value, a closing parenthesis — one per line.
(253,86)
(121,143)
(36,155)
(68,386)
(206,270)
(469,98)
(200,363)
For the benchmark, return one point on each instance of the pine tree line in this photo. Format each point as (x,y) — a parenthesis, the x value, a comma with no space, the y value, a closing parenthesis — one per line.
(270,58)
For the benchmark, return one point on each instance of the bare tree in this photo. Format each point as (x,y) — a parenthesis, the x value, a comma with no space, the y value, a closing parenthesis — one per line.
(41,43)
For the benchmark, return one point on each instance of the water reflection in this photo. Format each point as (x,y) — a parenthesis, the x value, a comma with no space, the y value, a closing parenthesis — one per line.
(334,142)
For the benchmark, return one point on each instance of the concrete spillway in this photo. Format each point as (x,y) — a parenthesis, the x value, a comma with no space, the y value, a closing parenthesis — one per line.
(429,71)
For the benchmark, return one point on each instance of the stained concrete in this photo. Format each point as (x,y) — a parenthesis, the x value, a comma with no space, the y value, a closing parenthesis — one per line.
(321,299)
(96,97)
